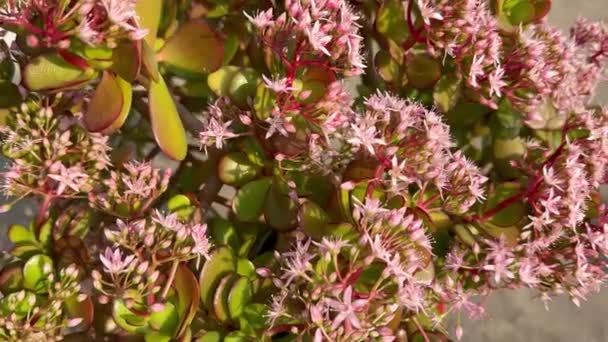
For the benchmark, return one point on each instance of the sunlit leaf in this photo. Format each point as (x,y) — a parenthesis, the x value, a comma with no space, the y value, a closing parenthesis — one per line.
(50,72)
(149,13)
(110,104)
(195,48)
(221,262)
(166,124)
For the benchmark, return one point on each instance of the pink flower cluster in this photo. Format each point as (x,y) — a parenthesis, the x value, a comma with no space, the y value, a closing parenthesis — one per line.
(100,23)
(51,156)
(319,29)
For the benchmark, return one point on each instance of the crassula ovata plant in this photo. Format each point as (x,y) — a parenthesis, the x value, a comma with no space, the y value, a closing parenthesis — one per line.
(342,170)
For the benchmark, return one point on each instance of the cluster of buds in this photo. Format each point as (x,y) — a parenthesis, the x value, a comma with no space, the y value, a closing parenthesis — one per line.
(129,192)
(52,155)
(27,316)
(466,31)
(357,286)
(321,33)
(410,146)
(100,23)
(142,248)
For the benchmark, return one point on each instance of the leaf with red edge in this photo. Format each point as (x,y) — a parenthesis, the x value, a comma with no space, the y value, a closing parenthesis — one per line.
(83,309)
(110,104)
(186,286)
(194,49)
(167,126)
(50,72)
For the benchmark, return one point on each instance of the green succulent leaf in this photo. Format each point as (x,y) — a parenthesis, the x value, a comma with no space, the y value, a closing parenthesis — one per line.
(313,219)
(167,126)
(236,169)
(50,72)
(36,271)
(249,201)
(239,297)
(221,262)
(220,298)
(390,21)
(187,288)
(422,70)
(10,96)
(149,14)
(447,92)
(279,209)
(224,233)
(110,104)
(195,49)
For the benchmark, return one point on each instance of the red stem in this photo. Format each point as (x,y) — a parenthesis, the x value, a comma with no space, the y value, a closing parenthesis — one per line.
(410,24)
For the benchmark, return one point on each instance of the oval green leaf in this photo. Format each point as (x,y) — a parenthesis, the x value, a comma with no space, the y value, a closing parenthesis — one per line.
(221,262)
(236,169)
(50,72)
(239,297)
(194,49)
(168,129)
(36,271)
(249,200)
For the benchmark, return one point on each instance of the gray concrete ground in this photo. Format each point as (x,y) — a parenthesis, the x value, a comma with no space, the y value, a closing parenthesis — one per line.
(513,316)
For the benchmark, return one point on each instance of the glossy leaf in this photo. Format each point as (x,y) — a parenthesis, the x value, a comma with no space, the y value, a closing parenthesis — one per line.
(187,288)
(219,81)
(149,62)
(194,49)
(211,336)
(447,92)
(249,201)
(166,321)
(9,95)
(50,72)
(239,297)
(166,123)
(220,298)
(279,210)
(110,104)
(127,319)
(390,21)
(422,70)
(221,262)
(245,267)
(149,13)
(36,271)
(18,233)
(313,219)
(236,169)
(243,86)
(127,60)
(387,67)
(224,233)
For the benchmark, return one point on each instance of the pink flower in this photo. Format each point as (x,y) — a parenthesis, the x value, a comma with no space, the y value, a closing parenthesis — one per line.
(279,85)
(262,19)
(346,309)
(202,245)
(114,263)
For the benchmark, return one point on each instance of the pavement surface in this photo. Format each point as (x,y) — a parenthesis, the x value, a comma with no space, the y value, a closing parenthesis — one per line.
(513,316)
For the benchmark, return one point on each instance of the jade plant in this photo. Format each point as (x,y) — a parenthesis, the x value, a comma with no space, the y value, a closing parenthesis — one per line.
(297,170)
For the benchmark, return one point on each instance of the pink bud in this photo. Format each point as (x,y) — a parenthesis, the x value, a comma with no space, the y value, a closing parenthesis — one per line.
(74,322)
(156,307)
